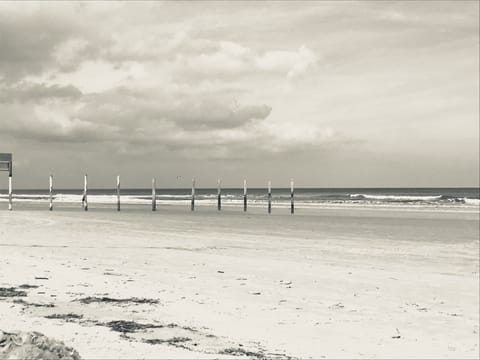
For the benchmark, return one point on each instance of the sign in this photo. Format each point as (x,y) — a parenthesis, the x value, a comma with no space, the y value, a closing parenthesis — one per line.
(6,163)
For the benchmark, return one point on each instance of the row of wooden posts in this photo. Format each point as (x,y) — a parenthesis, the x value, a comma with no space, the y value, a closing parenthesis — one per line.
(154,195)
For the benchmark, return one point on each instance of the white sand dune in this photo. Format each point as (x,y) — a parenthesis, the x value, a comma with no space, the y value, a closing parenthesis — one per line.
(327,283)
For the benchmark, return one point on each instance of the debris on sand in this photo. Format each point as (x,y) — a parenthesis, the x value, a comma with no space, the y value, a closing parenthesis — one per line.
(34,345)
(11,292)
(336,306)
(124,326)
(134,300)
(28,286)
(172,341)
(242,352)
(111,273)
(67,317)
(26,303)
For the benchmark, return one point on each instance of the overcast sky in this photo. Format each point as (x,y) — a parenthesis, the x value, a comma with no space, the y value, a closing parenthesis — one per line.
(333,94)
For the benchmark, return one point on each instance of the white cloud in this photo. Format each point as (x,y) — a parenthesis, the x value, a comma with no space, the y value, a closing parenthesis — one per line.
(228,57)
(292,63)
(306,60)
(93,76)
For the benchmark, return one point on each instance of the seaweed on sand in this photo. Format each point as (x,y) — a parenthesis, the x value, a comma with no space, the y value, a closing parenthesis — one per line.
(242,352)
(26,303)
(67,317)
(11,292)
(124,326)
(172,341)
(28,286)
(135,300)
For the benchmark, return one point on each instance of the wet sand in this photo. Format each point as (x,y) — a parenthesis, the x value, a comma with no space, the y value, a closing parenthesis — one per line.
(335,283)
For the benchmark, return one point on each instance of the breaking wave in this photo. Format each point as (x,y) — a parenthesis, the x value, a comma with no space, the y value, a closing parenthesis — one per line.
(396,197)
(308,198)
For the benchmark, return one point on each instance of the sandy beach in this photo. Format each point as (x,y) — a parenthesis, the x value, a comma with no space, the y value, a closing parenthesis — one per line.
(331,283)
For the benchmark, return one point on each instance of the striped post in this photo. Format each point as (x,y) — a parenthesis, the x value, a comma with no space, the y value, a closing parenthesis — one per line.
(85,190)
(118,192)
(292,205)
(154,195)
(269,196)
(244,195)
(50,191)
(192,205)
(219,196)
(10,195)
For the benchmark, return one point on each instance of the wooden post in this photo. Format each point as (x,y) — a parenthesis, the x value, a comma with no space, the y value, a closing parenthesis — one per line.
(244,195)
(118,192)
(192,205)
(10,196)
(292,206)
(154,195)
(85,188)
(50,191)
(269,196)
(219,196)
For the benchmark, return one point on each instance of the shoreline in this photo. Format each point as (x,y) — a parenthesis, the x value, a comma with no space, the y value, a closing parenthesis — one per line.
(253,208)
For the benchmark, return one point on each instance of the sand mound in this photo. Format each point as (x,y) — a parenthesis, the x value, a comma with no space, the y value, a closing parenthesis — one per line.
(33,345)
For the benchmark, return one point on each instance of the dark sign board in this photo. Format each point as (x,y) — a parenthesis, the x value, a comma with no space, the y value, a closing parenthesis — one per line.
(6,163)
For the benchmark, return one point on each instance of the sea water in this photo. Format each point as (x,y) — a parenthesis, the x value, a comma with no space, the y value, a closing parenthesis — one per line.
(462,198)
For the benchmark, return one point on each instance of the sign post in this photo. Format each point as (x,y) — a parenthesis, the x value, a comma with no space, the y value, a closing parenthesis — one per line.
(85,190)
(219,195)
(245,195)
(154,194)
(118,192)
(50,193)
(269,195)
(192,203)
(6,164)
(292,205)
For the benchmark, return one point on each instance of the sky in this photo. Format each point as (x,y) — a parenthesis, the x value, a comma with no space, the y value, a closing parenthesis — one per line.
(332,94)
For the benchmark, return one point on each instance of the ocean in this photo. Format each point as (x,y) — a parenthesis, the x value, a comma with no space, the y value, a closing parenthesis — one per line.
(461,198)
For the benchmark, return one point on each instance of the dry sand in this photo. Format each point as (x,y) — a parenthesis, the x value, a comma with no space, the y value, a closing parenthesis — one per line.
(337,283)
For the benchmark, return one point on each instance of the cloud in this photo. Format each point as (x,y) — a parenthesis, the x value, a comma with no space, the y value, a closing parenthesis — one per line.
(123,115)
(293,63)
(69,54)
(34,92)
(28,43)
(38,44)
(44,124)
(223,57)
(229,58)
(149,120)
